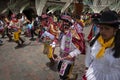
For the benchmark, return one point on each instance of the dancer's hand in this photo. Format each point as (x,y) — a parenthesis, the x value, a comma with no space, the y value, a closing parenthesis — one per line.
(58,59)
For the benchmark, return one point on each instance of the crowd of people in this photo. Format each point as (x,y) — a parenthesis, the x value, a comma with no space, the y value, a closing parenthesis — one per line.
(101,49)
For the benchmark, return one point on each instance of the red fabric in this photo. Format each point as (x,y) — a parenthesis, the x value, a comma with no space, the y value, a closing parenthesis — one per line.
(59,24)
(44,24)
(50,19)
(14,20)
(80,45)
(1,30)
(84,77)
(90,35)
(14,27)
(81,42)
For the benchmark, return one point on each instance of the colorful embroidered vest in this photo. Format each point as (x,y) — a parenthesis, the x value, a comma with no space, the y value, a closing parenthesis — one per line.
(68,44)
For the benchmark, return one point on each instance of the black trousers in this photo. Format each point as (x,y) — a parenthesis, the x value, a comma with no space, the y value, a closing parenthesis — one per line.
(33,33)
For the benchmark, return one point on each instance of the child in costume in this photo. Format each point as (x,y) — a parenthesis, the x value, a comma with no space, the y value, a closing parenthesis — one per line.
(49,46)
(69,49)
(14,24)
(50,37)
(103,55)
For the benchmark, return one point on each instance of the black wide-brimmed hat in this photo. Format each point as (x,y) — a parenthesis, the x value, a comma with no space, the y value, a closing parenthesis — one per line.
(109,18)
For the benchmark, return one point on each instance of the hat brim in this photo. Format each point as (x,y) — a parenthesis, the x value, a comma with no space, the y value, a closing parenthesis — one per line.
(109,23)
(65,20)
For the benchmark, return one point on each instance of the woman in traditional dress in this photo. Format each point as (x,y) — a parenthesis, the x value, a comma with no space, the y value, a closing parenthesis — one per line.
(103,54)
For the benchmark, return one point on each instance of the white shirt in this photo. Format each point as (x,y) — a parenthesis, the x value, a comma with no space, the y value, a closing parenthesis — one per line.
(46,33)
(73,50)
(1,25)
(105,68)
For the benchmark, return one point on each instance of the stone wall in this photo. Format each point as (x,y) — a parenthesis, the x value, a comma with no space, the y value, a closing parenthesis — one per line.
(4,4)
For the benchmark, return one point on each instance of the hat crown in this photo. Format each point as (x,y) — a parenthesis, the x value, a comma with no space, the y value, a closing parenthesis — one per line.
(109,16)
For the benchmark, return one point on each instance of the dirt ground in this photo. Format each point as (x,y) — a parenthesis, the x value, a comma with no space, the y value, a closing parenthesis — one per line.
(29,62)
